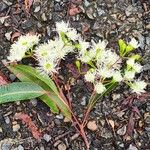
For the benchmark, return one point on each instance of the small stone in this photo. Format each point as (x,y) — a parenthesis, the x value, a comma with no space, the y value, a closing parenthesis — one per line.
(16,127)
(62,146)
(47,137)
(57,7)
(37,9)
(20,147)
(12,77)
(115,96)
(60,116)
(106,133)
(44,17)
(122,130)
(92,125)
(90,12)
(83,101)
(7,120)
(8,35)
(66,119)
(3,6)
(33,102)
(148,26)
(131,147)
(6,146)
(1,130)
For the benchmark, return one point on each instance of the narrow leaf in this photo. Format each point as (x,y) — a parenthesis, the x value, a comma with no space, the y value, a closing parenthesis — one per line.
(29,75)
(122,46)
(20,91)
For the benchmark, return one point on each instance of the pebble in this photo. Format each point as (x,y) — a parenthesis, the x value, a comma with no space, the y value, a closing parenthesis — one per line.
(47,137)
(3,6)
(16,127)
(37,9)
(148,26)
(60,116)
(106,133)
(34,102)
(131,147)
(6,146)
(83,101)
(20,147)
(12,77)
(8,35)
(91,125)
(44,17)
(62,146)
(7,120)
(122,130)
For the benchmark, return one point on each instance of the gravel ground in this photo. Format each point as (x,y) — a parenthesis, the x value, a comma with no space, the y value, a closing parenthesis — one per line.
(98,19)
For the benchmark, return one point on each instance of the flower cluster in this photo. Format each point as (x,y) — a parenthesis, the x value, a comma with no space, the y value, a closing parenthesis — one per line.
(105,65)
(22,46)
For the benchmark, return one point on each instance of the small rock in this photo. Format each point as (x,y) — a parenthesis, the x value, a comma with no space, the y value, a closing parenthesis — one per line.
(115,96)
(60,116)
(57,7)
(106,133)
(47,137)
(83,101)
(1,130)
(131,147)
(37,9)
(92,125)
(3,6)
(33,102)
(7,120)
(16,127)
(6,146)
(148,26)
(90,12)
(62,146)
(122,130)
(66,119)
(20,147)
(8,35)
(44,17)
(12,77)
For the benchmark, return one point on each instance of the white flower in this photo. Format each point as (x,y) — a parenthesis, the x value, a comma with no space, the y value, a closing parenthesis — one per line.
(100,45)
(138,87)
(17,52)
(137,67)
(105,72)
(48,66)
(19,48)
(63,27)
(130,61)
(45,51)
(86,55)
(134,43)
(129,75)
(99,88)
(28,40)
(110,59)
(117,76)
(90,75)
(83,45)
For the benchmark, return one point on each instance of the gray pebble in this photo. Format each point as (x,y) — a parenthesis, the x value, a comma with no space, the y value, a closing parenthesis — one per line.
(47,137)
(6,146)
(20,147)
(44,17)
(37,9)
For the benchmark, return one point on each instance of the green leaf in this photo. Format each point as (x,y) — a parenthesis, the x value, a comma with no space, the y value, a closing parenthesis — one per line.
(109,88)
(29,74)
(129,48)
(122,47)
(20,91)
(78,65)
